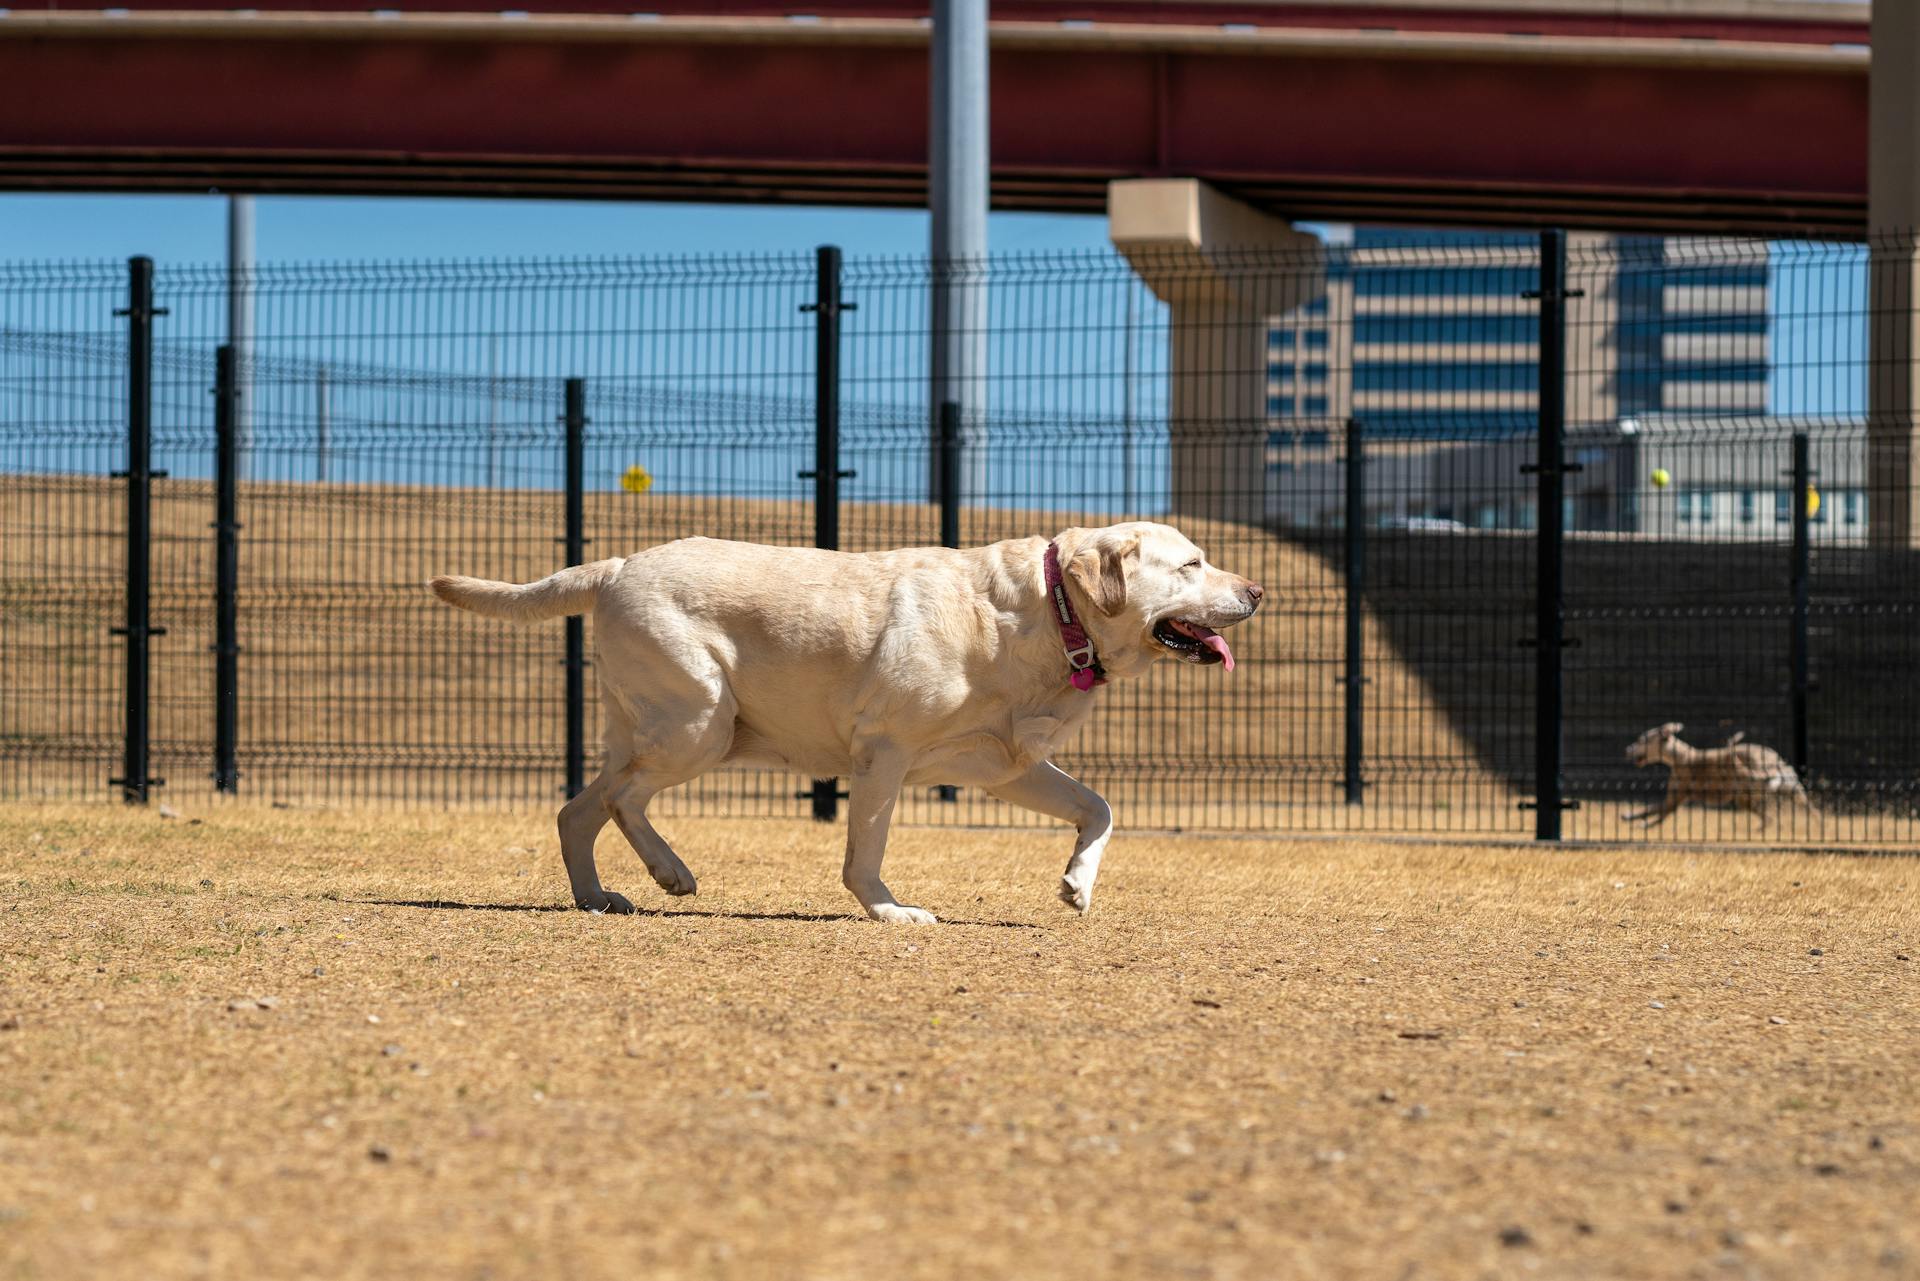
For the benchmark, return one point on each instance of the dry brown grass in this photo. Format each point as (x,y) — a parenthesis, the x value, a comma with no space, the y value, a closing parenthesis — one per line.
(1632,1063)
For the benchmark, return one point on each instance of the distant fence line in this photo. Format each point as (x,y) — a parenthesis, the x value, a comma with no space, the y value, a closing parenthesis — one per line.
(1514,503)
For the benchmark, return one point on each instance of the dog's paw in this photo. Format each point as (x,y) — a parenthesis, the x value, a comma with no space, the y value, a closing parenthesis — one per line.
(604,902)
(899,914)
(677,881)
(1077,897)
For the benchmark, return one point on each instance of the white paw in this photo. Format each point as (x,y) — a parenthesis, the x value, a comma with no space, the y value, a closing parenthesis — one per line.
(605,901)
(899,914)
(1076,896)
(676,880)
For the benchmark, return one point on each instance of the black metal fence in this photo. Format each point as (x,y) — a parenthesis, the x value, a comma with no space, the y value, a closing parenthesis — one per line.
(212,564)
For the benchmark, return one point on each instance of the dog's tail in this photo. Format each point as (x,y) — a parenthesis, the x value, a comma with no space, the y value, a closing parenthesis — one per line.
(571,591)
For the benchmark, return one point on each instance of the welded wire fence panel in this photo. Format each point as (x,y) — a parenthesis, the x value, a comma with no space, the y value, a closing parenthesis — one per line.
(402,421)
(1430,346)
(1703,360)
(62,528)
(703,429)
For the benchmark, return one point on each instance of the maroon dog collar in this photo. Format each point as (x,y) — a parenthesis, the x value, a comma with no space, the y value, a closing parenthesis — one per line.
(1087,671)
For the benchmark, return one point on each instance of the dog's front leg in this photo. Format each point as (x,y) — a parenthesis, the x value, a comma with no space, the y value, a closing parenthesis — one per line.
(1047,789)
(1668,804)
(878,772)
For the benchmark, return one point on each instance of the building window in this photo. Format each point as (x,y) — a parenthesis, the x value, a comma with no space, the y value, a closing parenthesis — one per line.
(1468,328)
(1314,406)
(1316,340)
(1853,506)
(1279,406)
(1444,375)
(1782,507)
(1706,505)
(1686,505)
(1281,339)
(1746,507)
(1316,369)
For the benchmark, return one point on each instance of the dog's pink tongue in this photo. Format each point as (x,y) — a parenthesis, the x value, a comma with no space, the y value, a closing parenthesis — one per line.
(1218,644)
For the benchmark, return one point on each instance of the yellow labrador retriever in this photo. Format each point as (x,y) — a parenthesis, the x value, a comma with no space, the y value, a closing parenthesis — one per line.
(921,666)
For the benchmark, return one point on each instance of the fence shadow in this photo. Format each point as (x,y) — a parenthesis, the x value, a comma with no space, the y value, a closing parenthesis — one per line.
(1660,630)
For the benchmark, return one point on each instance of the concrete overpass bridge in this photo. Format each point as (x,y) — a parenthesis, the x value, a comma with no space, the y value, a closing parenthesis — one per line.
(1650,115)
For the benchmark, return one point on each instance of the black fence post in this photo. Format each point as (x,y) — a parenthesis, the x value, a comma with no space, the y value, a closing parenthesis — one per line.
(1802,567)
(949,512)
(135,782)
(226,576)
(826,474)
(1550,548)
(1356,574)
(576,661)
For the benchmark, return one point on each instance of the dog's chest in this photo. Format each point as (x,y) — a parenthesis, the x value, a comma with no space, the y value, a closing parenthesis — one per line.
(1039,732)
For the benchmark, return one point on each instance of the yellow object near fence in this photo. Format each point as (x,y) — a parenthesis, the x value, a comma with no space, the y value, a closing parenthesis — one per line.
(636,479)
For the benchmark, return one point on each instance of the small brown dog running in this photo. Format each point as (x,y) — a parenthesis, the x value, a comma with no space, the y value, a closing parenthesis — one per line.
(1741,774)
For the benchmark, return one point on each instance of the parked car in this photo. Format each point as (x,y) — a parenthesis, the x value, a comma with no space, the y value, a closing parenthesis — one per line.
(1424,524)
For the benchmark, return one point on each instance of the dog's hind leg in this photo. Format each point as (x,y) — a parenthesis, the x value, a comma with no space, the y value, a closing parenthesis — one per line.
(582,817)
(680,731)
(580,822)
(627,802)
(1047,789)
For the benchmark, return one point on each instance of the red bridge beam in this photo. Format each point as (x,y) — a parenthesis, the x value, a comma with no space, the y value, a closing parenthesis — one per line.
(1786,21)
(1437,127)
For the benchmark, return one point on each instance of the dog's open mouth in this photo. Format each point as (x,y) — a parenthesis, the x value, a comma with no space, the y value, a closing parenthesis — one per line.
(1193,642)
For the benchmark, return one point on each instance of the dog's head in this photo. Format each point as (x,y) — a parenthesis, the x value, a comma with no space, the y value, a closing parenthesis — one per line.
(1654,746)
(1152,595)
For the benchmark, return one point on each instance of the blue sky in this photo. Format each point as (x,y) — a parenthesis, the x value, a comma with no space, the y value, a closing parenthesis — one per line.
(302,228)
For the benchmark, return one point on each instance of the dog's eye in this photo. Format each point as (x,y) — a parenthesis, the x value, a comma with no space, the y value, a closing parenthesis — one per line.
(1192,564)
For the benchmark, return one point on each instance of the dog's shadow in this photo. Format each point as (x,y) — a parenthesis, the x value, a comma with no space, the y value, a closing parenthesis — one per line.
(450,905)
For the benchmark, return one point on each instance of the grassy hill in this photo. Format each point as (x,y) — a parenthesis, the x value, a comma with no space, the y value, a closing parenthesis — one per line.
(355,683)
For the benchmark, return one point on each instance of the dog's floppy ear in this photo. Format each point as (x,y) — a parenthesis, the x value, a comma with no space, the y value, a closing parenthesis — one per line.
(1099,568)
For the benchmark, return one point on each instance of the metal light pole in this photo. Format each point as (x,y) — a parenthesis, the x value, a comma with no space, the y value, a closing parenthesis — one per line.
(240,265)
(957,193)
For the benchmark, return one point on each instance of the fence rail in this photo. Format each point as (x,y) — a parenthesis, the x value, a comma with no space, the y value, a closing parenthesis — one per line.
(1515,502)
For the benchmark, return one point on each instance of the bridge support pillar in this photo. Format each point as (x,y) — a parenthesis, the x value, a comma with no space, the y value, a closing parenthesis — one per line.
(1225,270)
(1893,282)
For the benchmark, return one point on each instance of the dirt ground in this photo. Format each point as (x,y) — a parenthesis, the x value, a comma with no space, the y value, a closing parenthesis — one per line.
(293,1043)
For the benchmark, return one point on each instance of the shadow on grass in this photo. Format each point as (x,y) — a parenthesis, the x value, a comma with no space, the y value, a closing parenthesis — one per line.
(450,905)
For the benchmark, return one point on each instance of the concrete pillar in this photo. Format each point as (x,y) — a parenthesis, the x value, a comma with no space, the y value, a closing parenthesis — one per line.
(1223,269)
(1893,217)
